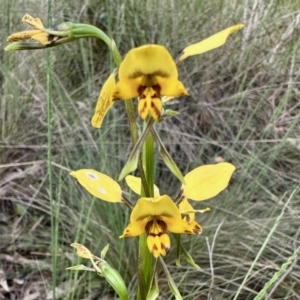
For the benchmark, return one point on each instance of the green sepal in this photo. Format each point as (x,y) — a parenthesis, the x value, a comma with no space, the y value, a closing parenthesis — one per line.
(180,249)
(153,292)
(80,268)
(189,258)
(171,283)
(132,161)
(167,113)
(166,157)
(114,278)
(171,113)
(104,251)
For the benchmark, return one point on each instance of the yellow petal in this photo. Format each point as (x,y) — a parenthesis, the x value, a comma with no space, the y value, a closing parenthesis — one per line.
(82,251)
(99,185)
(187,209)
(171,87)
(196,227)
(135,185)
(177,225)
(162,206)
(23,35)
(184,207)
(105,101)
(34,22)
(135,228)
(127,89)
(45,38)
(210,43)
(158,245)
(207,181)
(148,60)
(165,244)
(149,103)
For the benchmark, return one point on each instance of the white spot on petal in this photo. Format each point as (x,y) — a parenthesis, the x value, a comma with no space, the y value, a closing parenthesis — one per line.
(101,190)
(92,175)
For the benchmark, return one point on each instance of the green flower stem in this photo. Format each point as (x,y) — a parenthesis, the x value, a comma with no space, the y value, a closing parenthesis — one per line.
(144,268)
(85,30)
(134,135)
(145,257)
(149,163)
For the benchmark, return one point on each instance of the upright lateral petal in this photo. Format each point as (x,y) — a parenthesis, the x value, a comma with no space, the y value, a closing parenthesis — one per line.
(214,41)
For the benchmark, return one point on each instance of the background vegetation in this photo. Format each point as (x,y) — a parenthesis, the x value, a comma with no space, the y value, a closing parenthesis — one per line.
(243,108)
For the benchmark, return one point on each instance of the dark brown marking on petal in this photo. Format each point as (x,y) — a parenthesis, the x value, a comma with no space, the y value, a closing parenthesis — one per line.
(148,226)
(197,229)
(141,90)
(51,38)
(156,88)
(143,106)
(156,110)
(188,232)
(162,224)
(139,73)
(136,74)
(165,247)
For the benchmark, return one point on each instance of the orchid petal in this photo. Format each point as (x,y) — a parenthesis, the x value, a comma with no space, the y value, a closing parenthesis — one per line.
(214,41)
(207,181)
(99,185)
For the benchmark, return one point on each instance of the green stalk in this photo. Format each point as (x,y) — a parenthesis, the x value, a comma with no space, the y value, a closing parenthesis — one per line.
(145,258)
(85,31)
(148,162)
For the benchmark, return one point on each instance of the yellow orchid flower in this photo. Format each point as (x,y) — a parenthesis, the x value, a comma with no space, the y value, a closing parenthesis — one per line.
(202,183)
(49,37)
(156,216)
(150,73)
(135,185)
(153,216)
(40,34)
